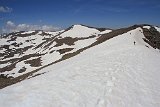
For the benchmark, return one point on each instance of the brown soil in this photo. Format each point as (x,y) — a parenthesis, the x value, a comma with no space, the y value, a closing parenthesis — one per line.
(8,68)
(62,51)
(23,69)
(34,62)
(152,37)
(11,52)
(67,40)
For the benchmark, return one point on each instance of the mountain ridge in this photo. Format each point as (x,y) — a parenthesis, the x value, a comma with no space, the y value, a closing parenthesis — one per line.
(22,60)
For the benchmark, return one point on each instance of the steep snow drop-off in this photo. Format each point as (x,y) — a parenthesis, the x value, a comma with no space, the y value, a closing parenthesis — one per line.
(121,72)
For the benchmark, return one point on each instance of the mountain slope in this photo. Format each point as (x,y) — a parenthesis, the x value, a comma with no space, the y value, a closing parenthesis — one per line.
(117,69)
(23,52)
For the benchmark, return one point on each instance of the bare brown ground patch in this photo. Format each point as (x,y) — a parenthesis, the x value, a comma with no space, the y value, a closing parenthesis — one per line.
(62,51)
(34,62)
(152,37)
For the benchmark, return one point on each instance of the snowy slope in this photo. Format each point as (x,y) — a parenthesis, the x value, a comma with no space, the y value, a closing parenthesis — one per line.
(20,52)
(115,73)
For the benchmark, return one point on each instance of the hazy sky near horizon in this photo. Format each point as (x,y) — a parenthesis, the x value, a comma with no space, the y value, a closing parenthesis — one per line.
(50,14)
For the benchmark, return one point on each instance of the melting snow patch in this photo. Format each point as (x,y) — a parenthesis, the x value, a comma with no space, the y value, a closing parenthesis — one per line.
(147,27)
(158,29)
(106,31)
(27,32)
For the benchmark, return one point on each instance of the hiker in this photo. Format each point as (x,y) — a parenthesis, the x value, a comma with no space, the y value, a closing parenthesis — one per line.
(134,42)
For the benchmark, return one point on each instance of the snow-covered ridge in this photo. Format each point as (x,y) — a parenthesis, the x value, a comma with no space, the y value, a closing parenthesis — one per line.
(24,53)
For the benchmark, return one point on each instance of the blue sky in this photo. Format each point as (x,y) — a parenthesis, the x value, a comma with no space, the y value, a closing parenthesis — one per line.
(63,13)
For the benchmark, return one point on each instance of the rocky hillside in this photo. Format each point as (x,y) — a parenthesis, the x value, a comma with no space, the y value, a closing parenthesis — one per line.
(23,54)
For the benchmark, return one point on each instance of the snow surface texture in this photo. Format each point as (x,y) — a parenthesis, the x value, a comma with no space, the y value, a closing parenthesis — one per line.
(116,73)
